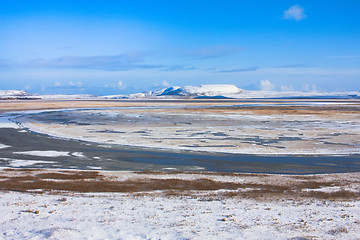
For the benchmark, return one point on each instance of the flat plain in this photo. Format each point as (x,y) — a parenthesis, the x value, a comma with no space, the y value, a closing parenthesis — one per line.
(189,204)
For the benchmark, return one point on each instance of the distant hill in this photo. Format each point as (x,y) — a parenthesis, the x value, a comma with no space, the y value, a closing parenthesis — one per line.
(14,94)
(203,90)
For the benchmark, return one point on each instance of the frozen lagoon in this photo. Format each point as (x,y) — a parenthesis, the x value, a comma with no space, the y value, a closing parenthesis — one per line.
(28,149)
(260,136)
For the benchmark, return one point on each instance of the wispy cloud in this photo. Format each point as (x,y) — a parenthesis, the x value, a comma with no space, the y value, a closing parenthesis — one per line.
(163,84)
(214,52)
(5,64)
(345,56)
(122,62)
(230,70)
(309,87)
(286,88)
(117,62)
(295,12)
(79,84)
(298,65)
(178,68)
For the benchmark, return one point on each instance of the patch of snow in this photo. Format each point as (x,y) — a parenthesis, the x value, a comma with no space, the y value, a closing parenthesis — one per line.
(94,168)
(2,146)
(78,154)
(329,189)
(44,153)
(169,168)
(25,163)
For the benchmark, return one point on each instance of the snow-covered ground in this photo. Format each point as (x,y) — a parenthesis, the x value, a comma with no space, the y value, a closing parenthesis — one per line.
(125,216)
(179,214)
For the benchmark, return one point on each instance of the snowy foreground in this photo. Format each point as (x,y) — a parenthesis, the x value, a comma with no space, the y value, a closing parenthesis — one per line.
(123,216)
(239,206)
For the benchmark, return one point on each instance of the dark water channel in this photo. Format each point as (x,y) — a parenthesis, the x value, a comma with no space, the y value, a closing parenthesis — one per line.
(87,156)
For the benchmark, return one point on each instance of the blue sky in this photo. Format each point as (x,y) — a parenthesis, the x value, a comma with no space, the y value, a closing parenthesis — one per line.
(116,47)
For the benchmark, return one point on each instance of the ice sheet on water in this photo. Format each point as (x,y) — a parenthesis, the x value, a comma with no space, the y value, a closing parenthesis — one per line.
(44,153)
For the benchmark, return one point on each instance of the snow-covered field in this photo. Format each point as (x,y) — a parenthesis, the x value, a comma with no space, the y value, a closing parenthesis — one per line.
(124,216)
(179,214)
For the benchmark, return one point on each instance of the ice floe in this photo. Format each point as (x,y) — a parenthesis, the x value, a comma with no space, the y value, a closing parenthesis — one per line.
(94,167)
(2,146)
(26,163)
(44,153)
(78,154)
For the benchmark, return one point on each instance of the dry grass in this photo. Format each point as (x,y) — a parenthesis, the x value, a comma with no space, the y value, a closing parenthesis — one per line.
(144,182)
(17,105)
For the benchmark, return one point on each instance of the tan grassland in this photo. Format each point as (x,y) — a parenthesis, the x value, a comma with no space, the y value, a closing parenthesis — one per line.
(208,185)
(21,105)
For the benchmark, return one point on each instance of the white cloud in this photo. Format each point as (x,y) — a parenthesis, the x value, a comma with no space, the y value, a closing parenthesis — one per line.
(165,84)
(71,83)
(121,85)
(57,84)
(295,12)
(310,87)
(286,88)
(266,85)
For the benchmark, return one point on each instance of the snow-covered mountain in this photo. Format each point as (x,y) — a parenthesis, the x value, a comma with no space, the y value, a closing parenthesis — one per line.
(203,90)
(8,94)
(221,90)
